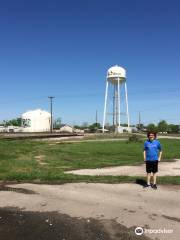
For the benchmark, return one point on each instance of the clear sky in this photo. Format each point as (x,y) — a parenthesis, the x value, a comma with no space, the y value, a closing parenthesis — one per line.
(64,48)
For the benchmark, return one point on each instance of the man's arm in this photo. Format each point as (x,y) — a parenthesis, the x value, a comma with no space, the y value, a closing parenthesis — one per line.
(160,155)
(160,152)
(144,155)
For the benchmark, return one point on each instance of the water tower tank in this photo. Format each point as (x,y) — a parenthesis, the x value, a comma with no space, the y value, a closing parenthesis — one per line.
(116,72)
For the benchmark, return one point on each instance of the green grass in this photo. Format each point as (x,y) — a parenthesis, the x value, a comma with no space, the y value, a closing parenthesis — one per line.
(19,160)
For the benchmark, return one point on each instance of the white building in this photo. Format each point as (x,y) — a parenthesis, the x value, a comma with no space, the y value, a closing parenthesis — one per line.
(66,129)
(2,129)
(11,129)
(36,121)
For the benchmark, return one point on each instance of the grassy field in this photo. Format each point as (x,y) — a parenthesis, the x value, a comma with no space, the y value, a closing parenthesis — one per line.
(41,161)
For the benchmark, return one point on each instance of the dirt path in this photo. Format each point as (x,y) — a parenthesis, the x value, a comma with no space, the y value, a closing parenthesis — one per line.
(115,209)
(165,169)
(82,140)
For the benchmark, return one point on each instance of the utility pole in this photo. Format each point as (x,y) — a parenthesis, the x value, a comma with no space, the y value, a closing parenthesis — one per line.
(139,121)
(96,118)
(51,98)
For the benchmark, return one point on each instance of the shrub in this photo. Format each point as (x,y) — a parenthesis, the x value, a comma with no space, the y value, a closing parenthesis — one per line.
(134,138)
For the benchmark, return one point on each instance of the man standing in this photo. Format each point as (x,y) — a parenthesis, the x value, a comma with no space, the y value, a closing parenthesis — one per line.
(152,155)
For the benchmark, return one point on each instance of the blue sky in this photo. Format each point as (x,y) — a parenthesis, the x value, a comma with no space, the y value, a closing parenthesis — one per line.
(64,48)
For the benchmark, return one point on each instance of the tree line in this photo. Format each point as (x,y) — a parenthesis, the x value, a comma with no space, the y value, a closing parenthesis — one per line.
(162,126)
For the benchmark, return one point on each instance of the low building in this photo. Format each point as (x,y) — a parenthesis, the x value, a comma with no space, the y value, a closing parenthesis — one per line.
(10,129)
(78,131)
(2,129)
(130,129)
(66,129)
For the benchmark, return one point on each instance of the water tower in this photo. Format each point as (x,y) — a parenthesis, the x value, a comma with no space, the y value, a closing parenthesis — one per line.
(116,81)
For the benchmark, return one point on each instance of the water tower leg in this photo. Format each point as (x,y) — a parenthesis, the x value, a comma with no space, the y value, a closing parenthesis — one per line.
(114,105)
(127,109)
(119,106)
(105,105)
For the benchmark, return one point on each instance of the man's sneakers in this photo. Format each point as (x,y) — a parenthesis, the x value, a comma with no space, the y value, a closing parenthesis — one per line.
(147,185)
(154,186)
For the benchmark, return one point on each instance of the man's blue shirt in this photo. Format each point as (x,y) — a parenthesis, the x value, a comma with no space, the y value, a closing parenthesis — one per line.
(152,149)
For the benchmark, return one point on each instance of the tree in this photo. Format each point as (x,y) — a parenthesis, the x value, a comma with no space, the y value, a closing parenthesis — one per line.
(57,123)
(14,122)
(140,126)
(77,127)
(124,124)
(94,127)
(151,127)
(173,128)
(85,125)
(162,126)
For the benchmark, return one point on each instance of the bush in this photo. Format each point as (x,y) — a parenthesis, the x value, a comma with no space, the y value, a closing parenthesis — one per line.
(134,138)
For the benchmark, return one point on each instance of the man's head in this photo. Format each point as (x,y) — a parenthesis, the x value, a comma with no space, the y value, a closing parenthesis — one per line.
(151,136)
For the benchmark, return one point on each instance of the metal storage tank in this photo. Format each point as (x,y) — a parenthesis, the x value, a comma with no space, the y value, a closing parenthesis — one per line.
(116,73)
(36,121)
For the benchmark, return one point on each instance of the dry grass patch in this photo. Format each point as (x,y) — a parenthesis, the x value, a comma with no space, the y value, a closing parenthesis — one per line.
(40,158)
